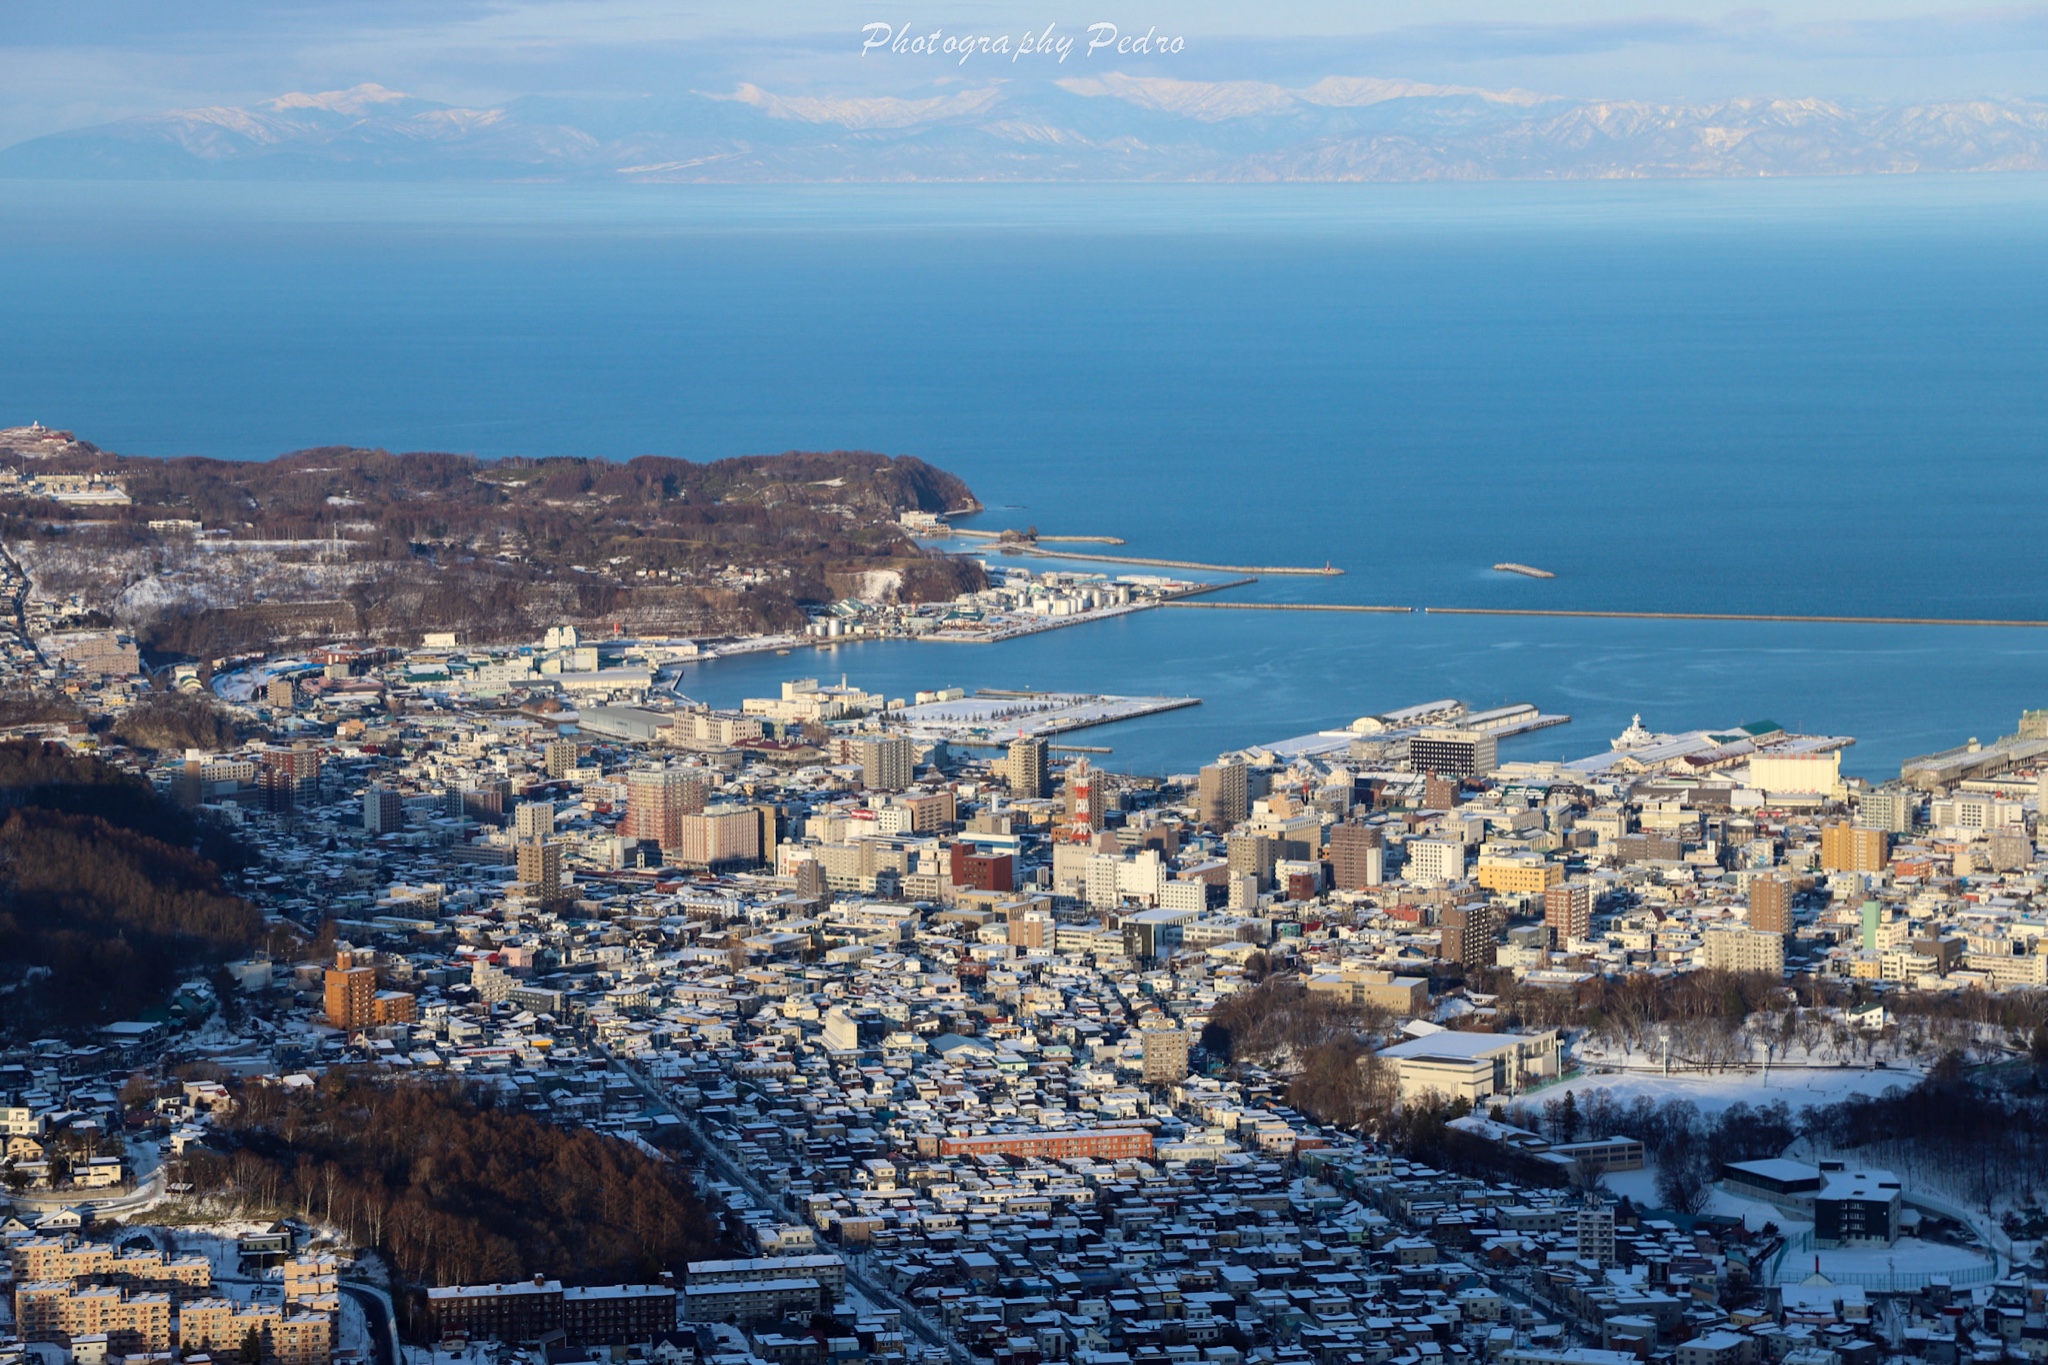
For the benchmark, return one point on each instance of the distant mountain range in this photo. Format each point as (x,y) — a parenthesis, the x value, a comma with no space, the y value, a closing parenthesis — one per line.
(1114,127)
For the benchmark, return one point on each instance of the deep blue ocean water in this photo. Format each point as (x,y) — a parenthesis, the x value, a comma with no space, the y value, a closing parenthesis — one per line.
(1783,396)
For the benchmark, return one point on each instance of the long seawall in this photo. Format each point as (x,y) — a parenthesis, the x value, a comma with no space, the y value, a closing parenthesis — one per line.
(1618,615)
(1287,606)
(1734,616)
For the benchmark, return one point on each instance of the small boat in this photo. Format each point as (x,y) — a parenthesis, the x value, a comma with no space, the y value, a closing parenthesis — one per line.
(1524,570)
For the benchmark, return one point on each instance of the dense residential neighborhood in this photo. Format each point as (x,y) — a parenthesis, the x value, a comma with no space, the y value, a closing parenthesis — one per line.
(1345,1048)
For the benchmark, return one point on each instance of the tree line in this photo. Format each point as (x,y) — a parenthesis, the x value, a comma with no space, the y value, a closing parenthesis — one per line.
(109,895)
(493,548)
(453,1186)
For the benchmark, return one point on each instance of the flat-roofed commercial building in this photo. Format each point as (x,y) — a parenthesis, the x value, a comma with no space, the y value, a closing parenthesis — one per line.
(1403,995)
(1603,1154)
(1473,1066)
(1526,874)
(1451,752)
(1774,1179)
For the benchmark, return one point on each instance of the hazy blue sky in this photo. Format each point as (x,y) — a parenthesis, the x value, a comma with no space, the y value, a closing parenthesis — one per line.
(65,63)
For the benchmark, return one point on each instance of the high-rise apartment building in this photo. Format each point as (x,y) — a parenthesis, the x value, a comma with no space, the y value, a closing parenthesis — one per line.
(972,869)
(657,799)
(1357,857)
(487,803)
(1596,1234)
(1568,912)
(1223,793)
(888,763)
(1849,848)
(532,820)
(1252,855)
(1434,860)
(353,1001)
(723,836)
(289,777)
(558,758)
(1166,1055)
(1469,934)
(383,810)
(349,995)
(1890,809)
(1025,768)
(540,870)
(1770,904)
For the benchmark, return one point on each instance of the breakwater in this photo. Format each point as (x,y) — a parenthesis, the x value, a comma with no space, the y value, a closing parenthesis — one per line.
(1327,571)
(1781,618)
(1735,616)
(1286,606)
(972,534)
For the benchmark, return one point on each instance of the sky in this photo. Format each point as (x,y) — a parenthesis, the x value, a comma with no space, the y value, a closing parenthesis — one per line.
(73,63)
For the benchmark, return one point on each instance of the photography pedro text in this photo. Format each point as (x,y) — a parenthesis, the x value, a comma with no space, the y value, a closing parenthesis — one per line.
(908,40)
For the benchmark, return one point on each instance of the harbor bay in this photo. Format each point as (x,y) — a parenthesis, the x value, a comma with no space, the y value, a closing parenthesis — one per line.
(1263,677)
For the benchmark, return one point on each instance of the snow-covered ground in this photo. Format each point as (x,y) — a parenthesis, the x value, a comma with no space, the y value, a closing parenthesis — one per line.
(1715,1091)
(244,684)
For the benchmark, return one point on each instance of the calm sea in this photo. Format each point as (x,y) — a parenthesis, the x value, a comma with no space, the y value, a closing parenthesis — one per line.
(1794,396)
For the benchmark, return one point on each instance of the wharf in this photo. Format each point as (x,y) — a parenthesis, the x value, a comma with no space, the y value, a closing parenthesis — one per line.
(993,717)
